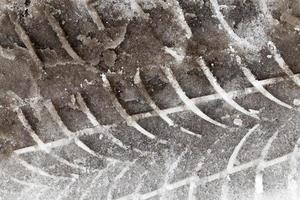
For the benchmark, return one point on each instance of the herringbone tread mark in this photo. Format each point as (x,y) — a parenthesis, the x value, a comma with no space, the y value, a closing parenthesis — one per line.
(114,172)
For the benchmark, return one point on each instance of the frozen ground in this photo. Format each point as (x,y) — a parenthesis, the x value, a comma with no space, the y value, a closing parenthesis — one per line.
(149,99)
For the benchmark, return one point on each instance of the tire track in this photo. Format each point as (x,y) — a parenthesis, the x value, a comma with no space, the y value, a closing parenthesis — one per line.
(62,36)
(197,100)
(41,144)
(130,121)
(240,41)
(187,101)
(282,64)
(139,83)
(70,134)
(27,42)
(213,81)
(251,78)
(232,160)
(189,105)
(84,108)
